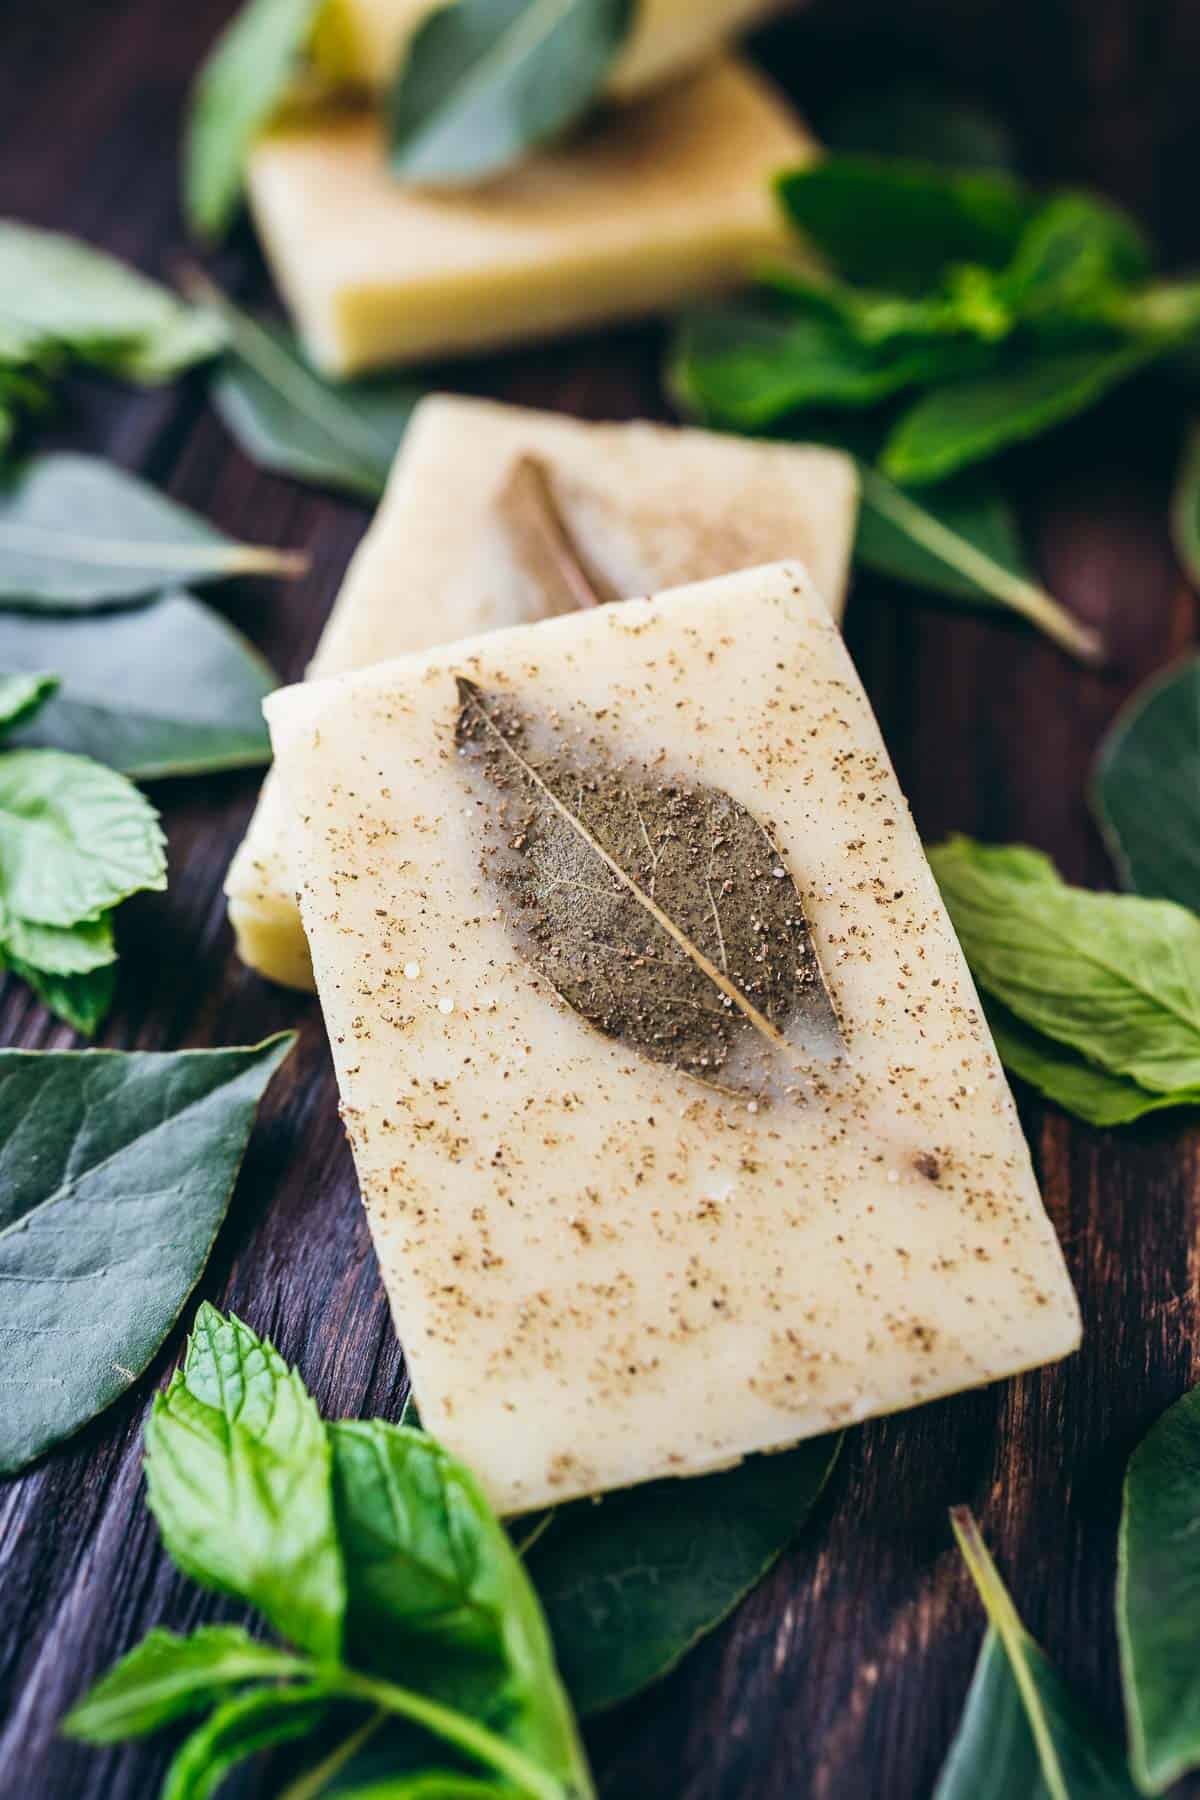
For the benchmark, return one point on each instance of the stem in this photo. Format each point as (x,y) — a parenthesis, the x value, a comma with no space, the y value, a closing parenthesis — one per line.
(1024,597)
(455,1728)
(316,1779)
(535,1532)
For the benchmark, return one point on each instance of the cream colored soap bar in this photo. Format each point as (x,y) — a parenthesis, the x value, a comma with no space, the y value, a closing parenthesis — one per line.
(655,205)
(605,1267)
(650,506)
(363,42)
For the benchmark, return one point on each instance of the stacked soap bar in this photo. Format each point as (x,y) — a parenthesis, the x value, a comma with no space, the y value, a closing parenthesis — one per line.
(363,42)
(652,205)
(648,506)
(678,1125)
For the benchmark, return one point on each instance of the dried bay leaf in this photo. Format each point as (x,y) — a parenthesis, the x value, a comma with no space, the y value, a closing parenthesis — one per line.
(543,543)
(660,909)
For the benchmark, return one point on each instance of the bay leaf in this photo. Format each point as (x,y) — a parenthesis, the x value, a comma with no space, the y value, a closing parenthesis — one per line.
(78,533)
(243,81)
(485,81)
(660,910)
(116,1170)
(543,543)
(75,838)
(170,689)
(1146,787)
(1158,1581)
(1023,1735)
(1185,508)
(63,292)
(631,1582)
(288,418)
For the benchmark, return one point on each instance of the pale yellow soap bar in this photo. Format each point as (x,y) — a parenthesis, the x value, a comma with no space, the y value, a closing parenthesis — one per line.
(363,42)
(650,506)
(604,1269)
(656,204)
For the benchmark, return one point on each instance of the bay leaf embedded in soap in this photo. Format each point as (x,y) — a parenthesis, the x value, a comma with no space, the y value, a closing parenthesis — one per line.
(660,909)
(544,545)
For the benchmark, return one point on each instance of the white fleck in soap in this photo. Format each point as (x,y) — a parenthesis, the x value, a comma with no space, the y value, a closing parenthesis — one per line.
(615,1250)
(652,205)
(650,506)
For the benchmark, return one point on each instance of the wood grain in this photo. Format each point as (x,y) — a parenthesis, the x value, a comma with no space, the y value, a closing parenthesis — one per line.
(844,1674)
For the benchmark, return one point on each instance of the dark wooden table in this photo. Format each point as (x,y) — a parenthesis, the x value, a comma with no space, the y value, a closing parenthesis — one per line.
(844,1674)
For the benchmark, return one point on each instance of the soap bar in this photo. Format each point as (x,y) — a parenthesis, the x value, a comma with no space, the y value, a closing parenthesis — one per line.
(362,42)
(652,205)
(679,1127)
(650,506)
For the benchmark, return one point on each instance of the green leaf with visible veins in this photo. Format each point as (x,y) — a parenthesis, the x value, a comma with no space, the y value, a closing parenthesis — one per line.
(116,1171)
(1146,787)
(167,1676)
(238,1468)
(1062,1075)
(486,81)
(58,950)
(75,838)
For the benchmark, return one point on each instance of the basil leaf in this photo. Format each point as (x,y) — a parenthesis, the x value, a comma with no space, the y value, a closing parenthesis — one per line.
(966,421)
(242,83)
(97,308)
(75,838)
(1158,1624)
(84,1001)
(894,224)
(913,121)
(1185,509)
(437,1596)
(630,1583)
(1062,1075)
(167,1676)
(78,533)
(1023,1736)
(170,689)
(116,1171)
(1112,976)
(1146,787)
(485,81)
(238,1469)
(241,1728)
(288,418)
(23,695)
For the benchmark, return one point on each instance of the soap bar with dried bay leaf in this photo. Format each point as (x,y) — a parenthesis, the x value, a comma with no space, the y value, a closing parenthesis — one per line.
(679,1128)
(648,206)
(455,549)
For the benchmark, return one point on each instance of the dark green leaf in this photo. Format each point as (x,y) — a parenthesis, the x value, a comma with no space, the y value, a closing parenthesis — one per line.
(167,1676)
(240,86)
(1146,787)
(170,689)
(966,421)
(75,838)
(913,121)
(287,417)
(238,1469)
(1185,509)
(888,223)
(115,1174)
(241,1728)
(84,1001)
(1062,1075)
(431,1786)
(1158,1598)
(81,300)
(78,533)
(631,1582)
(1071,257)
(487,80)
(23,695)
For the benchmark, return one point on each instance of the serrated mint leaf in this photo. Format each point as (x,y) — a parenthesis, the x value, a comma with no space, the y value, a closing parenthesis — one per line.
(75,838)
(170,689)
(83,1001)
(238,1467)
(245,78)
(241,1728)
(21,696)
(77,533)
(58,290)
(485,81)
(57,949)
(167,1676)
(1146,787)
(116,1171)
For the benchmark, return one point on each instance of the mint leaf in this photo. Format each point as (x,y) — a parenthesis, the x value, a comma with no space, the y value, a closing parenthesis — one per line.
(77,533)
(167,1676)
(170,689)
(1146,787)
(238,1468)
(116,1171)
(75,838)
(21,696)
(59,950)
(84,1001)
(245,78)
(1064,1076)
(485,81)
(239,1729)
(431,1786)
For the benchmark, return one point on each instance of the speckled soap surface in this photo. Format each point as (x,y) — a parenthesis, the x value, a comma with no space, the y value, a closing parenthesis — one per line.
(604,1267)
